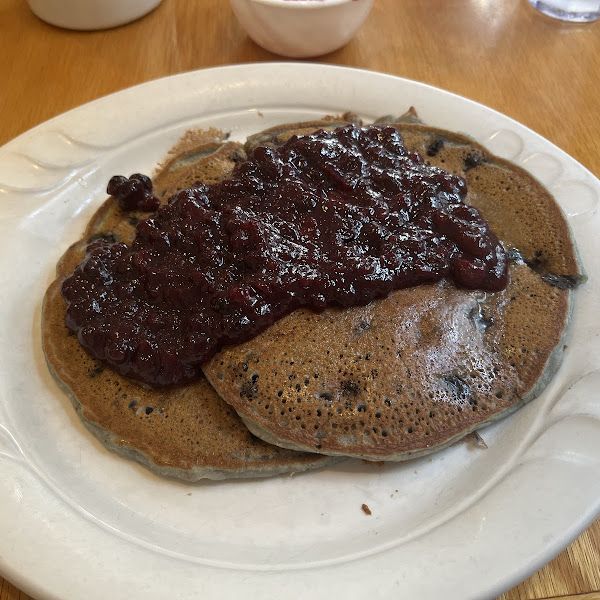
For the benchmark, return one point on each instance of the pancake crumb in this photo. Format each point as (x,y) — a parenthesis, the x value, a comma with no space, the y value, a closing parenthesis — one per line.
(191,140)
(476,439)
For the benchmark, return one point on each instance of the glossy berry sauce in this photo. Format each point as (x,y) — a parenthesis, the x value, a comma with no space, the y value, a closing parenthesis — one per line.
(133,193)
(328,219)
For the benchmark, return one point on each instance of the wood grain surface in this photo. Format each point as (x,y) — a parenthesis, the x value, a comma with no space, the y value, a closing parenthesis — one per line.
(502,53)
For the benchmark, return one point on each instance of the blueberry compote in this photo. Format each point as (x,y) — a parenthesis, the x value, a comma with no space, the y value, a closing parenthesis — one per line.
(328,219)
(133,193)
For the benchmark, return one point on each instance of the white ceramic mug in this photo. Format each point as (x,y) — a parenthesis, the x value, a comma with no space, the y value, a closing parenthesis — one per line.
(91,14)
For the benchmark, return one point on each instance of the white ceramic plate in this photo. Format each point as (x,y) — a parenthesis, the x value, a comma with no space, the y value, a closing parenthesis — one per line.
(79,522)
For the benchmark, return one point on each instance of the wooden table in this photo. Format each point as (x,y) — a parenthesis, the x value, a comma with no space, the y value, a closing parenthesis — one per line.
(542,72)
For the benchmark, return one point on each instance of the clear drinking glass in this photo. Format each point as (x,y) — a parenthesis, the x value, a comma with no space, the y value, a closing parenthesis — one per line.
(579,11)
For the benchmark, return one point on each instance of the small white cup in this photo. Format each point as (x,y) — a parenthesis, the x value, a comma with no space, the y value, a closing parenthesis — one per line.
(91,14)
(301,28)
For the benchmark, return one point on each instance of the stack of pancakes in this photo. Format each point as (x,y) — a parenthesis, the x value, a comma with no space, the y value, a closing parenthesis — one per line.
(398,378)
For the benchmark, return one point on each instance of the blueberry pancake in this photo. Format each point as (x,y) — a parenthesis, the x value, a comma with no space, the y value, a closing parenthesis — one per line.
(184,432)
(412,373)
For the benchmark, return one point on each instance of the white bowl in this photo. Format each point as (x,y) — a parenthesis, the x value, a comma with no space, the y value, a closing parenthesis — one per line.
(91,14)
(301,28)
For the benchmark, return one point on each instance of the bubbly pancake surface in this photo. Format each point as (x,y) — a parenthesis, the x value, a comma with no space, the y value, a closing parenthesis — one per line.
(418,370)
